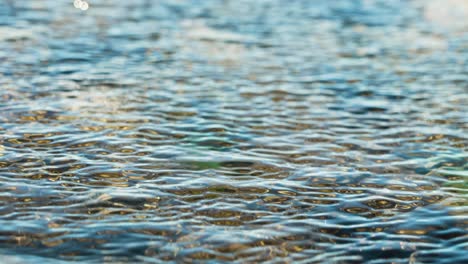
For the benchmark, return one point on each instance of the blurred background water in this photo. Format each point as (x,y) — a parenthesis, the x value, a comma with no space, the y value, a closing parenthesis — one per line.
(238,131)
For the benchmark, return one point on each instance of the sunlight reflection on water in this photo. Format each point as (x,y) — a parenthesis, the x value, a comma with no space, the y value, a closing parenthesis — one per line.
(447,14)
(79,4)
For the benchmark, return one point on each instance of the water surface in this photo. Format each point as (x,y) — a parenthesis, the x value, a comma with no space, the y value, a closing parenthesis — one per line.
(240,131)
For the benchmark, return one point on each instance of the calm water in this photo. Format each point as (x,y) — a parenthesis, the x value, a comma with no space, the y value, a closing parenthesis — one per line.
(216,131)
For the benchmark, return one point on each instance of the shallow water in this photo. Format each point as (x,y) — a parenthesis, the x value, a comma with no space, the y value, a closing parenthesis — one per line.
(234,131)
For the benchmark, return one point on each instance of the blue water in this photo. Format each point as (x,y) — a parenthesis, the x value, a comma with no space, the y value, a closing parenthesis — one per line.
(233,131)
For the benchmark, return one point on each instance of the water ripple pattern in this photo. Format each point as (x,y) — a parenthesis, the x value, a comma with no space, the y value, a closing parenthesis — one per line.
(233,131)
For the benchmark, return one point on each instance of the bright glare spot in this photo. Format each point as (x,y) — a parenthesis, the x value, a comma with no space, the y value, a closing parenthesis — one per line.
(84,6)
(77,3)
(80,4)
(449,14)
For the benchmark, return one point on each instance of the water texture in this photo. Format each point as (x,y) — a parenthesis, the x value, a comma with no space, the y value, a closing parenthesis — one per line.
(215,131)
